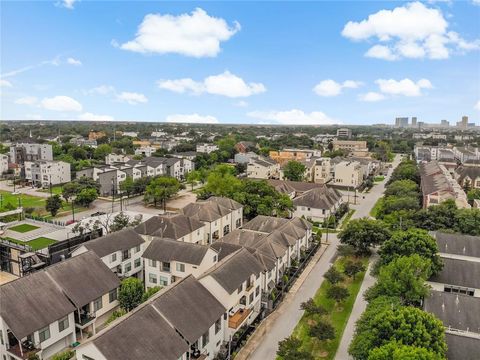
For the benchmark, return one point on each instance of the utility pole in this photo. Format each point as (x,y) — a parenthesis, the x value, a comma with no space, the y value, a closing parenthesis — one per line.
(73,210)
(13,182)
(50,185)
(113,194)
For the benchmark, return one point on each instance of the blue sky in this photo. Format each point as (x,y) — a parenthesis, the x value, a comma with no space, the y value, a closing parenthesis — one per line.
(241,62)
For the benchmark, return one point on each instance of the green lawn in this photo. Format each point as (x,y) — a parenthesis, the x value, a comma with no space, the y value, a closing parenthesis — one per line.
(379,178)
(56,190)
(337,315)
(35,244)
(23,228)
(376,207)
(25,200)
(347,218)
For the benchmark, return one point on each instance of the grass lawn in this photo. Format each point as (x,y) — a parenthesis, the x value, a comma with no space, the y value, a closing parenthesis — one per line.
(347,218)
(35,244)
(56,190)
(376,207)
(23,228)
(26,200)
(379,178)
(337,314)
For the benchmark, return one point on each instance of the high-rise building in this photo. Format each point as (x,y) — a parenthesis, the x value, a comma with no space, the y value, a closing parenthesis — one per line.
(445,123)
(414,121)
(344,133)
(401,122)
(464,123)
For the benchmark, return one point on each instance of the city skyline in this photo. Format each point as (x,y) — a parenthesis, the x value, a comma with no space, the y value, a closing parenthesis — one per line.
(320,63)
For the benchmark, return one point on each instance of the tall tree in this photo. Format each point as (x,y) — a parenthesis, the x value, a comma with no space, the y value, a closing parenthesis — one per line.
(160,189)
(289,349)
(397,351)
(322,330)
(53,204)
(361,234)
(333,276)
(294,171)
(130,293)
(337,293)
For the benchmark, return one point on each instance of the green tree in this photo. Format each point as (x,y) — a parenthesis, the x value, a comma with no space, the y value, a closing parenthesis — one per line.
(127,186)
(121,221)
(161,189)
(322,330)
(361,234)
(102,151)
(222,181)
(294,170)
(69,190)
(311,308)
(333,276)
(150,292)
(397,203)
(130,294)
(403,188)
(396,351)
(193,177)
(473,194)
(53,204)
(86,196)
(467,221)
(352,268)
(405,324)
(403,277)
(406,170)
(337,293)
(437,217)
(289,349)
(410,242)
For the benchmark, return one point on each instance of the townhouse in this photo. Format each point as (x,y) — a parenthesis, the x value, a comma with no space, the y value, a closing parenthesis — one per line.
(317,204)
(261,167)
(157,329)
(168,260)
(464,154)
(455,294)
(111,159)
(47,311)
(120,251)
(3,163)
(43,173)
(348,173)
(173,226)
(235,282)
(468,174)
(146,151)
(206,148)
(323,171)
(219,214)
(286,155)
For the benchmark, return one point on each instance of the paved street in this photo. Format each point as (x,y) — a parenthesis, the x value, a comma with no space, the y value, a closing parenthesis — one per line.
(286,322)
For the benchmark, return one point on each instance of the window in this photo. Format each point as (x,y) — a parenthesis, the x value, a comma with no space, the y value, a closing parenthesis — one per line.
(251,297)
(166,266)
(97,304)
(128,267)
(240,288)
(163,281)
(112,295)
(218,325)
(137,248)
(238,223)
(152,263)
(226,230)
(44,334)
(180,267)
(1,337)
(215,258)
(125,255)
(138,262)
(152,278)
(257,291)
(114,257)
(63,324)
(205,339)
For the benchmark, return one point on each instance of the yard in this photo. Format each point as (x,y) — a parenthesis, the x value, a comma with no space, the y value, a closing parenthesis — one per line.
(337,314)
(36,244)
(56,190)
(23,228)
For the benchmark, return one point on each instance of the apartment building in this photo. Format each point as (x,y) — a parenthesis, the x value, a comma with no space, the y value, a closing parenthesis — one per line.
(323,170)
(167,261)
(344,133)
(43,173)
(21,152)
(121,251)
(112,159)
(57,306)
(236,283)
(317,204)
(206,148)
(173,226)
(463,154)
(286,155)
(220,216)
(348,174)
(161,329)
(146,151)
(263,168)
(357,148)
(3,163)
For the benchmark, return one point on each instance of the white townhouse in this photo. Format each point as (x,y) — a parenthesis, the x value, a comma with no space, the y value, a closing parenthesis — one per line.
(161,328)
(206,148)
(263,168)
(236,283)
(173,226)
(42,173)
(317,204)
(121,251)
(111,159)
(220,215)
(3,163)
(167,261)
(47,311)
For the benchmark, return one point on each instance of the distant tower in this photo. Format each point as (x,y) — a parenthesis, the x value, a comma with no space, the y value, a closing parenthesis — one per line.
(414,121)
(464,122)
(30,133)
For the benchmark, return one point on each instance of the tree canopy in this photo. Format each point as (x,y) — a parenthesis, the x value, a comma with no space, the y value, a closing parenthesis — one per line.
(397,351)
(160,189)
(131,293)
(294,170)
(361,234)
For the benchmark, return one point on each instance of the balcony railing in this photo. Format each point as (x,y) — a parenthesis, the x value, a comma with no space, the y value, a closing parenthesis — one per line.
(28,352)
(84,319)
(236,320)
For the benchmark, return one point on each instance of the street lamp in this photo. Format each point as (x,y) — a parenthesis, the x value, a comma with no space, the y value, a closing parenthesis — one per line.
(73,208)
(50,185)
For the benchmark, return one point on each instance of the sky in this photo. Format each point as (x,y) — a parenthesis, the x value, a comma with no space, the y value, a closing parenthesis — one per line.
(313,63)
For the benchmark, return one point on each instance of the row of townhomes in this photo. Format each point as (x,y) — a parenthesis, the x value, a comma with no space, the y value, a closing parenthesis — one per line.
(204,258)
(455,294)
(110,176)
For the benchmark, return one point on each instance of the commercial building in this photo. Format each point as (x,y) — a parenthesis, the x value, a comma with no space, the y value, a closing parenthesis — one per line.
(401,122)
(344,133)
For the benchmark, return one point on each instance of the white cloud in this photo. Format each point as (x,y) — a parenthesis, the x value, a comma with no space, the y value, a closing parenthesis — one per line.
(192,119)
(27,100)
(225,84)
(95,117)
(5,83)
(197,34)
(67,4)
(294,117)
(477,105)
(476,2)
(332,88)
(101,90)
(410,31)
(405,87)
(372,97)
(241,103)
(73,61)
(132,98)
(55,62)
(61,103)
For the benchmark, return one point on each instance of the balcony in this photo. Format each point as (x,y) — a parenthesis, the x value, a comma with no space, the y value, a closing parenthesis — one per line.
(28,351)
(84,320)
(236,320)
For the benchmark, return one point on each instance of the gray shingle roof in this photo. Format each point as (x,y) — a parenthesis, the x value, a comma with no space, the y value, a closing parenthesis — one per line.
(31,303)
(472,172)
(433,179)
(319,198)
(457,244)
(144,334)
(167,250)
(118,241)
(224,249)
(266,224)
(461,347)
(190,308)
(297,186)
(235,269)
(211,209)
(457,311)
(83,278)
(173,226)
(459,273)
